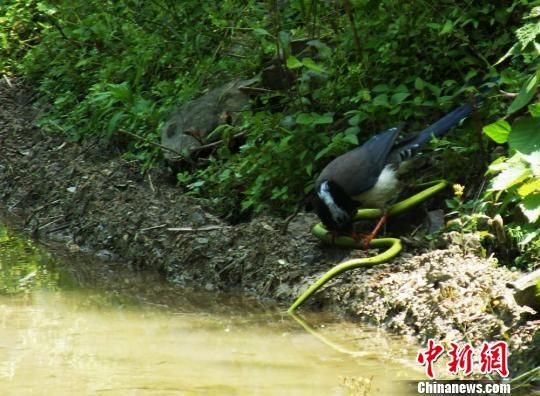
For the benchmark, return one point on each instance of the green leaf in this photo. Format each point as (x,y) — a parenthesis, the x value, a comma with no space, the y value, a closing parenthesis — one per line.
(381,88)
(285,39)
(447,28)
(530,207)
(46,9)
(529,187)
(527,33)
(354,120)
(399,97)
(326,118)
(324,50)
(310,64)
(121,92)
(304,119)
(535,13)
(419,84)
(534,110)
(514,50)
(525,135)
(261,32)
(510,177)
(525,95)
(309,168)
(352,139)
(314,118)
(498,131)
(113,122)
(293,62)
(381,100)
(323,152)
(352,130)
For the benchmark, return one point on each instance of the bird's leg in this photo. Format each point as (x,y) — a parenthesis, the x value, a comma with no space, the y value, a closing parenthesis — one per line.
(373,233)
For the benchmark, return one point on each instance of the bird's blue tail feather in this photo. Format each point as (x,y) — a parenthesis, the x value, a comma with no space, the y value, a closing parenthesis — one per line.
(442,126)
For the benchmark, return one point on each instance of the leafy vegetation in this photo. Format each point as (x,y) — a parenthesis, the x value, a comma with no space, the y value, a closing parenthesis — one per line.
(363,66)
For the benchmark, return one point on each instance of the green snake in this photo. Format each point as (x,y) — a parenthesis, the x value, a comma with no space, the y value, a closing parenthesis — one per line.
(392,245)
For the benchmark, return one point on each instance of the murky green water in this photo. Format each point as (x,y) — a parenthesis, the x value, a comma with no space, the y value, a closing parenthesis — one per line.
(75,327)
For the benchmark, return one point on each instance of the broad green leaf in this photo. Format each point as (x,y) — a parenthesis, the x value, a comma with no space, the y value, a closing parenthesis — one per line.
(534,109)
(293,62)
(354,120)
(530,207)
(323,152)
(352,139)
(402,88)
(525,135)
(352,130)
(381,100)
(399,97)
(419,83)
(525,95)
(310,64)
(498,131)
(381,88)
(304,119)
(510,177)
(529,187)
(326,118)
(314,118)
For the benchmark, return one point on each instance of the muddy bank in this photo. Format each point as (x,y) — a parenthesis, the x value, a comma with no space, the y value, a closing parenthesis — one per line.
(88,198)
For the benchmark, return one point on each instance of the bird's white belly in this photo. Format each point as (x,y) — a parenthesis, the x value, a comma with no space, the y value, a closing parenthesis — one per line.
(382,192)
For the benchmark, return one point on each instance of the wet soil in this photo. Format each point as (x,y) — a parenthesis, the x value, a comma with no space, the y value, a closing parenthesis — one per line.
(86,197)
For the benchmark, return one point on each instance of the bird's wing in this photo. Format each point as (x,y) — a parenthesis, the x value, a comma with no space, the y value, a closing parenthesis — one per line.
(358,170)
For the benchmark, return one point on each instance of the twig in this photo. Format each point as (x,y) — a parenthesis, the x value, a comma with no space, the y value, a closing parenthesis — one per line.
(508,94)
(8,82)
(151,184)
(216,143)
(59,147)
(60,217)
(153,228)
(151,142)
(289,218)
(45,205)
(256,90)
(235,55)
(62,227)
(199,229)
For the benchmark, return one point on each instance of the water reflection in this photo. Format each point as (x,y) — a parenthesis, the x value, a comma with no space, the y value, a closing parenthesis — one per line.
(143,337)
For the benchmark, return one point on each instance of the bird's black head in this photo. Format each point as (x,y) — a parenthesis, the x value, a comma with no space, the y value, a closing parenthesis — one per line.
(334,207)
